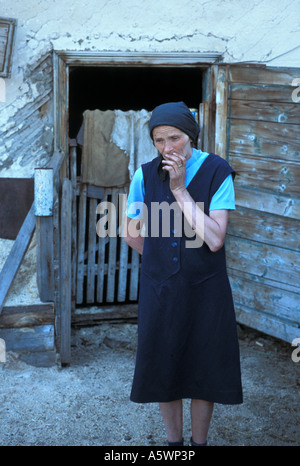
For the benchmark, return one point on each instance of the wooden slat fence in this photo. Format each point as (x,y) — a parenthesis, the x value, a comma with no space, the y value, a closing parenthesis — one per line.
(107,270)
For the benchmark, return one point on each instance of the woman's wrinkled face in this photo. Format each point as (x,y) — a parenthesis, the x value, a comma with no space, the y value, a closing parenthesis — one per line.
(168,139)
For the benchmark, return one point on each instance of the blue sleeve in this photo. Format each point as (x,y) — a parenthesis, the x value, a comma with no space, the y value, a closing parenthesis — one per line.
(224,198)
(136,195)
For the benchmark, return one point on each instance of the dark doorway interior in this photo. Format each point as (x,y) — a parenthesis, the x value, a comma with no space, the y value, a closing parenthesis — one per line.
(130,88)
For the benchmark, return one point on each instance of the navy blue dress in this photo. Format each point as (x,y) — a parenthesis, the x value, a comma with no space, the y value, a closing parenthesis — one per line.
(187,336)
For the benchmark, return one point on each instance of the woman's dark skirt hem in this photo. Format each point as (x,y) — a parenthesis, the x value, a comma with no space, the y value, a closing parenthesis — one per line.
(226,398)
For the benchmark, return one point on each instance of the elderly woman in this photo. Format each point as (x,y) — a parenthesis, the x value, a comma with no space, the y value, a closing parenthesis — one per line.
(187,338)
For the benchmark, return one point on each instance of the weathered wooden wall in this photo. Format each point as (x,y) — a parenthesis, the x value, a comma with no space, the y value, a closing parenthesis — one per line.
(263,244)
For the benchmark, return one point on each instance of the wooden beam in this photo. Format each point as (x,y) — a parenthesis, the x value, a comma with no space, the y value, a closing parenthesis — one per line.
(38,338)
(73,177)
(16,255)
(44,258)
(94,315)
(43,202)
(221,112)
(66,273)
(137,58)
(27,316)
(81,242)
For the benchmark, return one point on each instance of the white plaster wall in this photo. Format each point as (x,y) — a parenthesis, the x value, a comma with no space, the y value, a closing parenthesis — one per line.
(265,31)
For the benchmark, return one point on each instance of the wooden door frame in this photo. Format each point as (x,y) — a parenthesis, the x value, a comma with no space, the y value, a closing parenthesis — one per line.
(208,62)
(214,108)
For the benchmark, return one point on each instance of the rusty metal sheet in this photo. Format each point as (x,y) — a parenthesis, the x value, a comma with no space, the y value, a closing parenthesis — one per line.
(16,198)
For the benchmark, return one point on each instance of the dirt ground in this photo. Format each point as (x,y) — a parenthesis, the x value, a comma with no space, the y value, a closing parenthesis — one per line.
(88,402)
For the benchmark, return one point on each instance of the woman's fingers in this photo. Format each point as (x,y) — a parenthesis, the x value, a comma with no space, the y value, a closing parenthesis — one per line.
(174,160)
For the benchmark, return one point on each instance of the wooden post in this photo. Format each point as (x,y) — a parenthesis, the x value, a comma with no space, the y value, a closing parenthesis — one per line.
(43,207)
(203,123)
(81,243)
(221,112)
(73,177)
(66,272)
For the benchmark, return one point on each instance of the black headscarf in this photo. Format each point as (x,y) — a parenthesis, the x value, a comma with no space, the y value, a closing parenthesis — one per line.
(175,114)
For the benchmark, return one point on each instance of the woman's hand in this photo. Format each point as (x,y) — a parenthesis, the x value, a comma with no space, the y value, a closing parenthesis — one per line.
(175,164)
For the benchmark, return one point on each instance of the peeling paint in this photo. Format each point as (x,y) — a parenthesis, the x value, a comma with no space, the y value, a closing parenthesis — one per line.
(27,138)
(239,30)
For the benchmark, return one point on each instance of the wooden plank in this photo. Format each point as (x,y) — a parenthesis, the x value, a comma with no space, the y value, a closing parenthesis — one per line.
(209,100)
(274,263)
(94,315)
(37,338)
(276,175)
(260,92)
(81,243)
(66,272)
(201,125)
(61,103)
(73,177)
(101,269)
(112,251)
(266,324)
(123,258)
(56,255)
(270,139)
(221,112)
(263,297)
(16,255)
(276,112)
(272,203)
(262,74)
(265,228)
(43,203)
(91,254)
(45,273)
(27,316)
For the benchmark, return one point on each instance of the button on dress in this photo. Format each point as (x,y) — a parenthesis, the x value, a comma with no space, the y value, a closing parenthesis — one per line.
(187,335)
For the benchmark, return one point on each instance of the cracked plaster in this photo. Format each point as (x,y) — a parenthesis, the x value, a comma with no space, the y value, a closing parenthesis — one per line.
(258,31)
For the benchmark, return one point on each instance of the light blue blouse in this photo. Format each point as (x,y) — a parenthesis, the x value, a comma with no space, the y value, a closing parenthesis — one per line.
(223,198)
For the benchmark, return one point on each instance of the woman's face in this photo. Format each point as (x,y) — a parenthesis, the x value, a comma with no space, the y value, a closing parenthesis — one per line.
(168,139)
